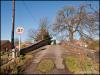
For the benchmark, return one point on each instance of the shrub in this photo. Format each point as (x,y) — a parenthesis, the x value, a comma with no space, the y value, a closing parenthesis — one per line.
(94,45)
(45,65)
(17,66)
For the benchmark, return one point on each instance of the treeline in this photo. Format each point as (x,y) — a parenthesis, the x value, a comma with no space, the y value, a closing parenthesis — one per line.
(82,20)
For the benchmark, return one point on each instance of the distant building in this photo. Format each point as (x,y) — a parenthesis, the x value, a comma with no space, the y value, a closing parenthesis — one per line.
(5,45)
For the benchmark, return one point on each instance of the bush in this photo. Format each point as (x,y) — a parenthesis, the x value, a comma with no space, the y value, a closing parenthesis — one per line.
(45,65)
(94,45)
(17,66)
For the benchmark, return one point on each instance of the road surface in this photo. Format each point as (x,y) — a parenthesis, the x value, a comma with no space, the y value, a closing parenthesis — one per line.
(55,52)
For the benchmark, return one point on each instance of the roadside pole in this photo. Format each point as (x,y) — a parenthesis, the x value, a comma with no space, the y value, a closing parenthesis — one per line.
(13,54)
(19,31)
(19,43)
(12,34)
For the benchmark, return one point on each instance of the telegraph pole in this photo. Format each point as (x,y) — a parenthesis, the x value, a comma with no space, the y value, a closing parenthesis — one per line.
(13,22)
(12,34)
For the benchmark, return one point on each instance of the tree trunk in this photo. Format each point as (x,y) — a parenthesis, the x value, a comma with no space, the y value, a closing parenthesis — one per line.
(71,36)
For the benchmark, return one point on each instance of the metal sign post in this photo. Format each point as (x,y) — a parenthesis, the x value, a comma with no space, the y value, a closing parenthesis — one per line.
(19,31)
(19,42)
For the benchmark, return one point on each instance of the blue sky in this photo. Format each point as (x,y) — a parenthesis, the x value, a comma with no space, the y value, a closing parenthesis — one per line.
(29,18)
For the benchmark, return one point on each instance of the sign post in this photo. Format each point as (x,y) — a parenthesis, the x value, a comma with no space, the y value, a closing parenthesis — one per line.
(19,42)
(19,31)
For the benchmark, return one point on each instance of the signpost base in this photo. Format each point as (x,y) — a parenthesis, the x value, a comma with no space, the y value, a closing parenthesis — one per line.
(13,54)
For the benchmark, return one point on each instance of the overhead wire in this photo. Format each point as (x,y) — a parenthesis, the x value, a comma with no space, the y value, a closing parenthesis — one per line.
(28,10)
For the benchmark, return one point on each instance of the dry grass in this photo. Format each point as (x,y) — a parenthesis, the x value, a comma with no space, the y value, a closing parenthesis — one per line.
(26,60)
(77,66)
(89,67)
(72,64)
(9,68)
(17,66)
(94,45)
(45,65)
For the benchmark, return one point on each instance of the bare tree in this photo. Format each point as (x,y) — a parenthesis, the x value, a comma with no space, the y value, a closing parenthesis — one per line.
(43,30)
(41,33)
(78,20)
(32,33)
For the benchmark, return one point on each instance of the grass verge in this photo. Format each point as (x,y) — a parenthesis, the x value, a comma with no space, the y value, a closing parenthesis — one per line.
(86,66)
(89,67)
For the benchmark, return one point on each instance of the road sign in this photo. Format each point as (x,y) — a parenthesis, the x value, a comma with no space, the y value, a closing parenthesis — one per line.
(19,30)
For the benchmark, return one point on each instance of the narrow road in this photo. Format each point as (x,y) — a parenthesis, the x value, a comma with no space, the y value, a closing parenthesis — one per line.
(54,52)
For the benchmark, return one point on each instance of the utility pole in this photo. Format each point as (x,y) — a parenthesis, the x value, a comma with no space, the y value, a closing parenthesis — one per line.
(12,34)
(13,22)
